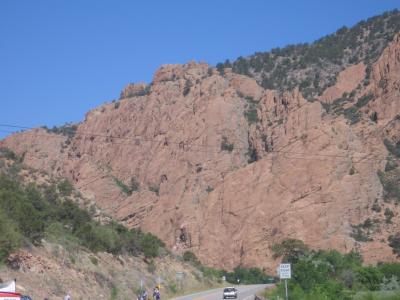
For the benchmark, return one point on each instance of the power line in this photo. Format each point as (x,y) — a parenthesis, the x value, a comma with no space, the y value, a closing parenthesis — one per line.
(189,148)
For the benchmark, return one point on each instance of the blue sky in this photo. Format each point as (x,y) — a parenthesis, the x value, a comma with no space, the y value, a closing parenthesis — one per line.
(58,59)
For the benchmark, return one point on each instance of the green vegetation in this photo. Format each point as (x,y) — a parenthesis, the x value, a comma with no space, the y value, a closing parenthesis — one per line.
(155,188)
(7,153)
(251,154)
(209,189)
(331,275)
(389,215)
(188,86)
(128,189)
(250,113)
(352,171)
(390,183)
(10,237)
(392,148)
(173,287)
(390,177)
(114,293)
(247,276)
(29,214)
(67,129)
(391,164)
(376,207)
(362,231)
(142,92)
(362,101)
(225,145)
(314,67)
(65,187)
(190,257)
(352,113)
(94,260)
(244,275)
(290,250)
(394,242)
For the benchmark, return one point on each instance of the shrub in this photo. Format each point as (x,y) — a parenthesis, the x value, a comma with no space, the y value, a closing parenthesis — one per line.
(247,276)
(334,276)
(359,235)
(390,164)
(225,145)
(376,207)
(134,186)
(142,92)
(390,269)
(190,257)
(290,250)
(390,184)
(155,188)
(10,238)
(252,155)
(394,242)
(370,277)
(67,129)
(65,187)
(393,149)
(250,112)
(114,293)
(172,287)
(352,114)
(351,171)
(150,245)
(35,215)
(389,215)
(94,260)
(362,101)
(188,86)
(7,153)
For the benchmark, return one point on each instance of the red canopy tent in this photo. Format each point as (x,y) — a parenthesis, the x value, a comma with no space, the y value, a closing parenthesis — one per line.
(10,296)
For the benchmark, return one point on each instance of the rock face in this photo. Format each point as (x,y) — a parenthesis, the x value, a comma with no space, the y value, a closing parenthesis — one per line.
(224,168)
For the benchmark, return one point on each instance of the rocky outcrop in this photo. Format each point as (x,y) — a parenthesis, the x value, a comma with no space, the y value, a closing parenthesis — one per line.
(134,90)
(222,167)
(347,81)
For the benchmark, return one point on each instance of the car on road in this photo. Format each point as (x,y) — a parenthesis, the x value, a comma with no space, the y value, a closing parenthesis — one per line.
(230,292)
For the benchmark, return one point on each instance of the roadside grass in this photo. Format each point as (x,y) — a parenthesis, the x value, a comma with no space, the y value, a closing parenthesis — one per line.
(207,286)
(378,295)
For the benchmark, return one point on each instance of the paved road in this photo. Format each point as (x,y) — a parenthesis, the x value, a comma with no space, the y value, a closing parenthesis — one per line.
(246,292)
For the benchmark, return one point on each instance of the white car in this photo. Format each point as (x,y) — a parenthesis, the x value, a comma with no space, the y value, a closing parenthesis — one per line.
(230,292)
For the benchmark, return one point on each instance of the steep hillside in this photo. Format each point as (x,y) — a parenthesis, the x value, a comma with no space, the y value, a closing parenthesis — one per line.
(314,67)
(212,162)
(53,246)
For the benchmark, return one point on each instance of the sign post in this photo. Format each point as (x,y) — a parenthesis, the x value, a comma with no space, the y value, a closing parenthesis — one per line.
(180,276)
(285,272)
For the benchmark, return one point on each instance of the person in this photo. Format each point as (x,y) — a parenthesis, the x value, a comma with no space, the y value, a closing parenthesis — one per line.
(156,294)
(144,295)
(67,297)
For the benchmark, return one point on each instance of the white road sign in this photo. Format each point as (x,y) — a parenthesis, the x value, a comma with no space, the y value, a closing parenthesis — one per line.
(285,271)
